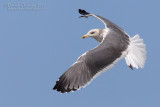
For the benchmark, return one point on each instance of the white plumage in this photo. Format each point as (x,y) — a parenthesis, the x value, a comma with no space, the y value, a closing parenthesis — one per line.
(136,52)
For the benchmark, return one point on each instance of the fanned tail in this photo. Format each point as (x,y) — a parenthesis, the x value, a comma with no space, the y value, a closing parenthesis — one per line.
(136,56)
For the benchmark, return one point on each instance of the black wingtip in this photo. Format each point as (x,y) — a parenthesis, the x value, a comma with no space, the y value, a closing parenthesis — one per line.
(60,88)
(83,12)
(54,88)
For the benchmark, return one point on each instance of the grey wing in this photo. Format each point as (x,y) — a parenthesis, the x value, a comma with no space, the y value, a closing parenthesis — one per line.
(91,64)
(106,22)
(77,76)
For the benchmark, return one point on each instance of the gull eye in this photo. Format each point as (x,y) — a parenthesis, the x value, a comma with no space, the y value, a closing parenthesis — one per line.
(92,32)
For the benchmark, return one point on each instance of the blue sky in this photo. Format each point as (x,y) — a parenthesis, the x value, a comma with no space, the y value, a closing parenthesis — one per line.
(39,45)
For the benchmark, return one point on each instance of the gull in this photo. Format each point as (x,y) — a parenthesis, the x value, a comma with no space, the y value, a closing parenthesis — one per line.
(115,44)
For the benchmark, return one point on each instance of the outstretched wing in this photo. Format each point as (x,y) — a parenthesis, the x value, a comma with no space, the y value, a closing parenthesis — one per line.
(92,63)
(107,23)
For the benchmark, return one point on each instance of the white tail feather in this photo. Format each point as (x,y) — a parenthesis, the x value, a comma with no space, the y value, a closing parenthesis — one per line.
(136,55)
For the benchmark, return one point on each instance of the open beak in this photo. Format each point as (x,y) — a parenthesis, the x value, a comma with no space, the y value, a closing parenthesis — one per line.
(84,36)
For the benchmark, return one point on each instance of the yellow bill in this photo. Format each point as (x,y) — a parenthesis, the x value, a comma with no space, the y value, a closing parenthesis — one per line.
(84,36)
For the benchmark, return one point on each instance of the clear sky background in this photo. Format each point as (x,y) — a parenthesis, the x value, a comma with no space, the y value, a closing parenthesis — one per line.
(39,45)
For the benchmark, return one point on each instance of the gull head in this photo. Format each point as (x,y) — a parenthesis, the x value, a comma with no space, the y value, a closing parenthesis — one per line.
(95,33)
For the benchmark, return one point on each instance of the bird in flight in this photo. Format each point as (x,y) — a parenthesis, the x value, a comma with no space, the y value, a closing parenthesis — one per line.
(115,44)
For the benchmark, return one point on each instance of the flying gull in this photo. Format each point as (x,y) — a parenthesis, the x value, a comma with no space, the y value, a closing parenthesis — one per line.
(115,44)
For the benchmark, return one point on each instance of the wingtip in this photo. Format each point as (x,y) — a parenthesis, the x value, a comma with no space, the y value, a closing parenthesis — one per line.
(54,88)
(79,10)
(83,12)
(64,90)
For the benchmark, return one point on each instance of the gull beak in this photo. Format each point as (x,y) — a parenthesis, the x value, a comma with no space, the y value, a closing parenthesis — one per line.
(84,36)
